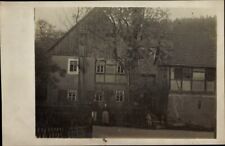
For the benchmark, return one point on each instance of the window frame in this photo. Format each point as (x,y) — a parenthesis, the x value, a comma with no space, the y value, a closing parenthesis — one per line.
(122,92)
(100,65)
(213,71)
(96,98)
(121,68)
(174,78)
(180,77)
(77,67)
(73,91)
(210,72)
(197,70)
(108,76)
(193,69)
(203,81)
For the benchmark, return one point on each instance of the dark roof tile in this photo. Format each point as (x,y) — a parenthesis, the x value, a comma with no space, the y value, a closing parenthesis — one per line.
(194,47)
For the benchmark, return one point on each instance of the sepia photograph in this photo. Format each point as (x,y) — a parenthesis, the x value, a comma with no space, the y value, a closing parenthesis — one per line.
(125,72)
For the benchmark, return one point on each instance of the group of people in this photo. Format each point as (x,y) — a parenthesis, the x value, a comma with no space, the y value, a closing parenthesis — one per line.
(105,117)
(150,120)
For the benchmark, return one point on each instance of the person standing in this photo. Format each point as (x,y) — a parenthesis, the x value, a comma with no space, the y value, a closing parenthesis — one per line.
(105,117)
(94,116)
(149,120)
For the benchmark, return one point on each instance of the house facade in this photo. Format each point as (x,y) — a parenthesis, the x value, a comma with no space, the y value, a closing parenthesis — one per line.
(91,77)
(92,80)
(192,73)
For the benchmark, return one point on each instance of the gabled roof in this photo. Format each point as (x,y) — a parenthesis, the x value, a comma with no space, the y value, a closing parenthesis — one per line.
(194,43)
(72,28)
(73,42)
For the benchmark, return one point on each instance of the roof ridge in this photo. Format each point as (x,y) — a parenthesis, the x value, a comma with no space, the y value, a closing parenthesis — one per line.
(70,30)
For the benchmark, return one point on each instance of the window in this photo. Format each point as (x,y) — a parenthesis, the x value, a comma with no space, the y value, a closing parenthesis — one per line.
(73,66)
(192,79)
(99,96)
(119,95)
(198,83)
(178,73)
(187,76)
(176,76)
(198,74)
(72,95)
(175,85)
(210,78)
(120,69)
(110,71)
(100,67)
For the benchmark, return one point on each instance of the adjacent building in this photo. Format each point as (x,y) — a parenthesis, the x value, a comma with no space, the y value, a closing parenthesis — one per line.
(192,73)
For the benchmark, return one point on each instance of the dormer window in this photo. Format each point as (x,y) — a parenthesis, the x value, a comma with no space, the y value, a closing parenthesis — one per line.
(73,66)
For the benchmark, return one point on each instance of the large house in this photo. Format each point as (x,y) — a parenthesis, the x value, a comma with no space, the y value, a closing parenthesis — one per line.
(95,80)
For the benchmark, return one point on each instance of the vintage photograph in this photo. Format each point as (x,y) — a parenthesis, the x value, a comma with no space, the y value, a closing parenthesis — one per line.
(125,72)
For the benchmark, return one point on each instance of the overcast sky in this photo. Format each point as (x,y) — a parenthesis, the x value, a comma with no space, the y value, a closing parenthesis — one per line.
(61,18)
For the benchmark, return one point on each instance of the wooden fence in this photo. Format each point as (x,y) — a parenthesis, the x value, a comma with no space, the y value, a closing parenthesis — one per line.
(63,122)
(59,132)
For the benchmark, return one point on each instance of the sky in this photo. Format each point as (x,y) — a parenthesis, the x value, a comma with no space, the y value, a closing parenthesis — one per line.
(61,18)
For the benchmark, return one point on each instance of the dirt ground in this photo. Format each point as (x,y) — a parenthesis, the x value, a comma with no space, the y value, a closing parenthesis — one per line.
(121,132)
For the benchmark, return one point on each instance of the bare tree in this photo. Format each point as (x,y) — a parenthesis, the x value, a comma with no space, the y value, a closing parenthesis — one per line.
(79,13)
(141,29)
(45,36)
(70,17)
(144,33)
